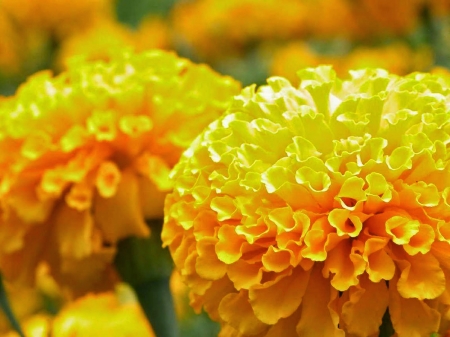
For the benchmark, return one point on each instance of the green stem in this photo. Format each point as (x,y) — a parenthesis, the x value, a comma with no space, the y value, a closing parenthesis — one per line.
(147,267)
(386,328)
(5,306)
(156,301)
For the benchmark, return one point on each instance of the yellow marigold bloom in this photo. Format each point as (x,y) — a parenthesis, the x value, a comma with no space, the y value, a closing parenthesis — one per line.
(38,325)
(101,315)
(85,157)
(236,24)
(115,314)
(311,210)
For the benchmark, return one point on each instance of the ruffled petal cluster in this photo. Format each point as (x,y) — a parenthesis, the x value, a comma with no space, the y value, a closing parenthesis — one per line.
(85,157)
(314,210)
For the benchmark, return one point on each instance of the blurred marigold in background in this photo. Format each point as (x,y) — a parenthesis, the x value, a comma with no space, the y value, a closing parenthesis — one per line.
(57,17)
(397,58)
(114,314)
(214,27)
(312,210)
(240,25)
(106,38)
(85,158)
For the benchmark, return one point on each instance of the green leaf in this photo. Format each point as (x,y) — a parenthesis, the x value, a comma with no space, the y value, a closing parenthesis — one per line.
(147,267)
(4,305)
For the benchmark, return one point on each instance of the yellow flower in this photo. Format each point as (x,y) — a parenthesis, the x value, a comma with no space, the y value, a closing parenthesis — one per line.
(85,158)
(101,315)
(38,325)
(310,211)
(115,314)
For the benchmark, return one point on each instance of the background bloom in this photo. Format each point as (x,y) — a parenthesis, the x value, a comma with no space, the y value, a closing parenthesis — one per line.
(310,211)
(85,158)
(111,313)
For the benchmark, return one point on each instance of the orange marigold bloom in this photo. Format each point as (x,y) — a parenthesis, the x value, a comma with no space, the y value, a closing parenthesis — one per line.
(85,157)
(311,210)
(236,24)
(397,58)
(105,38)
(59,17)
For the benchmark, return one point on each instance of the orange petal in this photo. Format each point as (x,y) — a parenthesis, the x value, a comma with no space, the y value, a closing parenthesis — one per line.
(276,260)
(108,179)
(317,318)
(379,264)
(280,298)
(229,246)
(411,317)
(73,231)
(345,264)
(121,215)
(245,274)
(421,276)
(208,265)
(236,310)
(364,311)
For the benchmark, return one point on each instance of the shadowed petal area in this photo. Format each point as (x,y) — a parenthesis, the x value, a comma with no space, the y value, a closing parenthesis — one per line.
(421,277)
(237,312)
(281,298)
(364,310)
(411,317)
(317,319)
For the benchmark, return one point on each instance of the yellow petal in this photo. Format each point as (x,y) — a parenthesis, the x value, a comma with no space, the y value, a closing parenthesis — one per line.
(120,216)
(421,276)
(411,317)
(364,311)
(280,298)
(317,319)
(237,311)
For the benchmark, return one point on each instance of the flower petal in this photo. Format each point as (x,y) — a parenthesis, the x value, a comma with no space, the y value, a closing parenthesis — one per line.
(317,319)
(280,298)
(364,311)
(411,317)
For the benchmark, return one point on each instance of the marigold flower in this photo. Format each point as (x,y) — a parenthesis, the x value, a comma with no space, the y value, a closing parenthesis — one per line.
(310,211)
(237,24)
(101,315)
(397,58)
(105,38)
(115,314)
(58,17)
(85,158)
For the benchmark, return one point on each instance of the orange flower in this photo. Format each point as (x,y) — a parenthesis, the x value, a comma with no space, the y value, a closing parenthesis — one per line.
(397,58)
(57,16)
(85,158)
(106,38)
(236,24)
(310,211)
